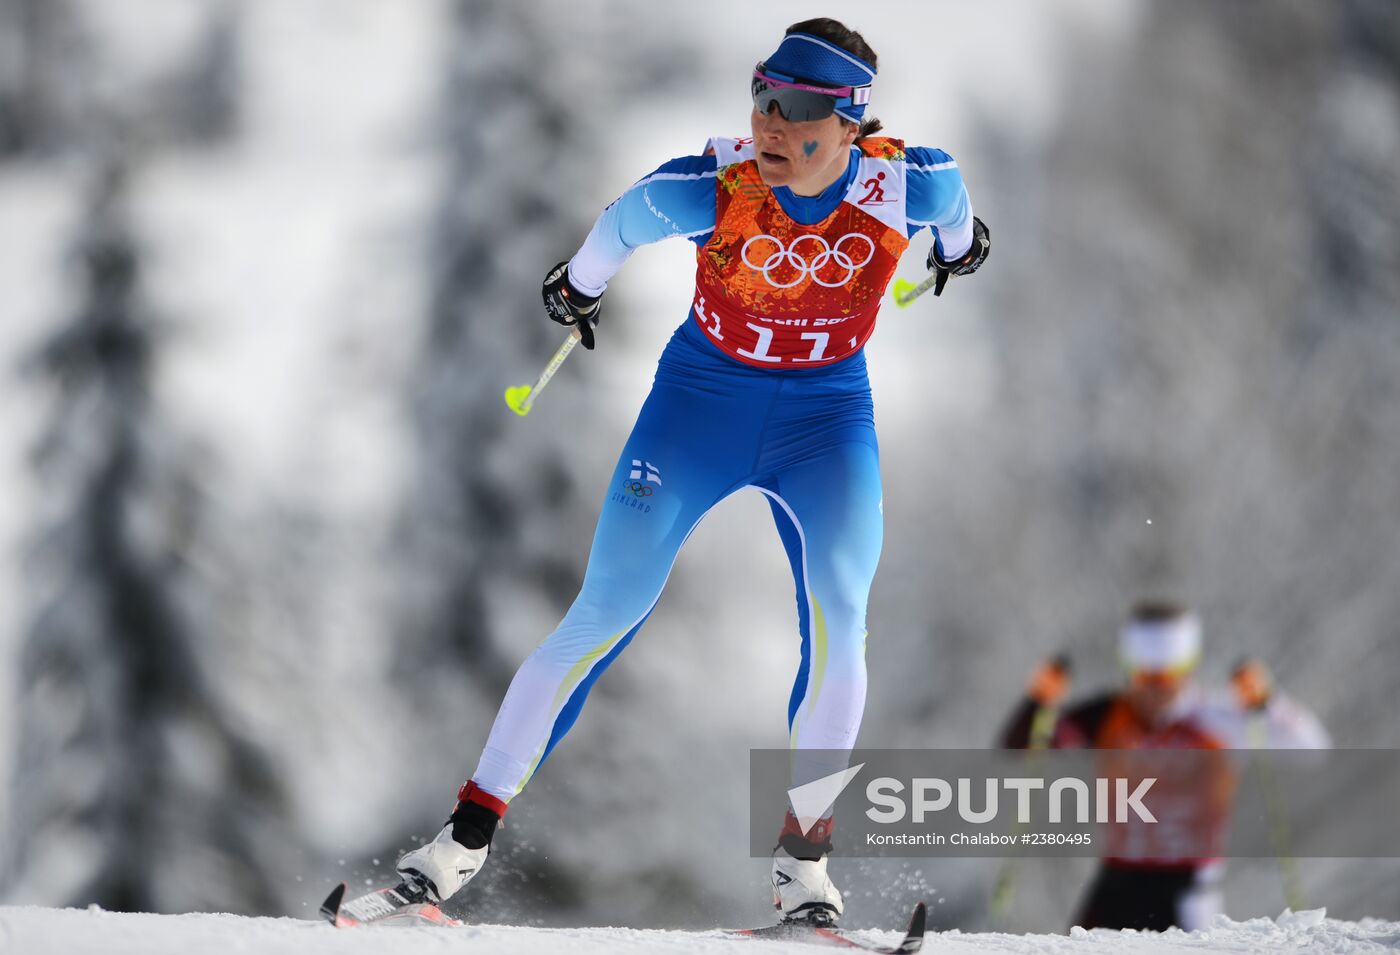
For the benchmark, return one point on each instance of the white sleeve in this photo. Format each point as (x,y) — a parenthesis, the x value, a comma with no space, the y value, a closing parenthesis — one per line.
(1293,726)
(1283,724)
(678,199)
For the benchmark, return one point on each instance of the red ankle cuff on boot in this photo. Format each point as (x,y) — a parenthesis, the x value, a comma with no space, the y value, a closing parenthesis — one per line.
(470,792)
(819,833)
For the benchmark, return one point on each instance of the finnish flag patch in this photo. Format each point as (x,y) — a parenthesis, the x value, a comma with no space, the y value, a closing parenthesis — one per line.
(645,470)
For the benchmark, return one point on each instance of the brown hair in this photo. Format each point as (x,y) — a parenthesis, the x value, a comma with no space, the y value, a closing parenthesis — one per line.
(837,33)
(1156,611)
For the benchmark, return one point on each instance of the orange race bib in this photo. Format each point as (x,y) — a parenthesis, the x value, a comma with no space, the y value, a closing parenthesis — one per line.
(774,293)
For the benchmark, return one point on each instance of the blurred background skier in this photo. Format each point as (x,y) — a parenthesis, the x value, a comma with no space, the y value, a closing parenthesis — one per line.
(798,229)
(1162,706)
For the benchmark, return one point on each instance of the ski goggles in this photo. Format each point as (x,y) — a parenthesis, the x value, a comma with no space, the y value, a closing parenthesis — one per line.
(1167,678)
(800,102)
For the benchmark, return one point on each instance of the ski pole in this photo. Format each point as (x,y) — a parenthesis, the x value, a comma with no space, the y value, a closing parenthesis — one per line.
(1253,687)
(521,398)
(906,291)
(1041,736)
(1004,888)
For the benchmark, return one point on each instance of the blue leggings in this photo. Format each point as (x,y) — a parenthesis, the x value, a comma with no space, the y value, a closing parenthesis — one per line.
(804,438)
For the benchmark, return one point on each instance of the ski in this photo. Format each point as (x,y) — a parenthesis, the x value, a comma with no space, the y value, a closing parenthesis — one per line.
(407,904)
(819,934)
(402,904)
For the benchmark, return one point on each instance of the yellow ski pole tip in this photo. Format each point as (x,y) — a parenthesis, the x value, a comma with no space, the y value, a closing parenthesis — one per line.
(515,399)
(902,288)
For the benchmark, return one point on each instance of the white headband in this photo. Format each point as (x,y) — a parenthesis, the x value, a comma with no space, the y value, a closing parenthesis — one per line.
(1161,644)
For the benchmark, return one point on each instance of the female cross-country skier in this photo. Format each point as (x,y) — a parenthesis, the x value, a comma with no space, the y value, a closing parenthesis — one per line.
(797,232)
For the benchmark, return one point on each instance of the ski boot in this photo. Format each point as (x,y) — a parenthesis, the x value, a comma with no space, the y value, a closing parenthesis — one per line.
(446,864)
(802,890)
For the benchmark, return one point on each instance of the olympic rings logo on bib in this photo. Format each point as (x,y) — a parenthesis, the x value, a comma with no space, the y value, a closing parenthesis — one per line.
(795,258)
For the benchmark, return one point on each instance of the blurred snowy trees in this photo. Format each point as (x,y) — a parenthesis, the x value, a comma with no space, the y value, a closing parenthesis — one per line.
(64,85)
(492,515)
(1194,335)
(39,94)
(1195,329)
(132,787)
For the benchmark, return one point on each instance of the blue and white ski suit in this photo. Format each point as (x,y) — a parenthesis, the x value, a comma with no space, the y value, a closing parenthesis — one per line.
(764,385)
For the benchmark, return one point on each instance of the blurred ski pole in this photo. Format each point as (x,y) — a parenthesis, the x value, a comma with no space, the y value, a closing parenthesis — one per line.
(1253,687)
(521,398)
(1048,686)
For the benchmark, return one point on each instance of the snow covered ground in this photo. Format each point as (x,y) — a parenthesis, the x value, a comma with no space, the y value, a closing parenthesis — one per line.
(32,930)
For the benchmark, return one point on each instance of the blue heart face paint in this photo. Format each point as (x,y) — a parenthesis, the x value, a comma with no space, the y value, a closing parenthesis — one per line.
(809,148)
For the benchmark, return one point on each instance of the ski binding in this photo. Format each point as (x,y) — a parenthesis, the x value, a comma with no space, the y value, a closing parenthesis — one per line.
(403,904)
(826,933)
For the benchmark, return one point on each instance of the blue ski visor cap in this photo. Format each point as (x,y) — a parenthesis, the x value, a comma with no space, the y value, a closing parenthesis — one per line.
(810,78)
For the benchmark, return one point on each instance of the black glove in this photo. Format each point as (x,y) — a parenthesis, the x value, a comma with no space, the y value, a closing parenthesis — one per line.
(965,264)
(568,306)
